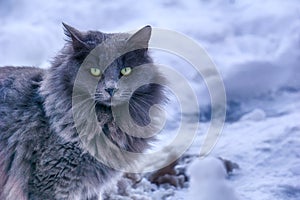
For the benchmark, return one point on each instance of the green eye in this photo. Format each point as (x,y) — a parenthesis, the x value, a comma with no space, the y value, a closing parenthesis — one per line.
(126,71)
(95,71)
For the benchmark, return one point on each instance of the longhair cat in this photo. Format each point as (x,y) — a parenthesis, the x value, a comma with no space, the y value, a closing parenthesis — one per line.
(41,152)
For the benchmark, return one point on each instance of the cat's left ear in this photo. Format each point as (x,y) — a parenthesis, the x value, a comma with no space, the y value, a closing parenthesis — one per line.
(76,36)
(140,39)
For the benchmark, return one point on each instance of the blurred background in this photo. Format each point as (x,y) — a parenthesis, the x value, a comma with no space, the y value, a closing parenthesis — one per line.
(254,44)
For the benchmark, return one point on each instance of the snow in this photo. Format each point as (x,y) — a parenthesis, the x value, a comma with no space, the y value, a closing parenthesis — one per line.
(208,180)
(255,46)
(267,152)
(255,115)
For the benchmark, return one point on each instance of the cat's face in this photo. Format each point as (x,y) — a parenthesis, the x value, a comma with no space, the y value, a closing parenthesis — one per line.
(122,79)
(116,82)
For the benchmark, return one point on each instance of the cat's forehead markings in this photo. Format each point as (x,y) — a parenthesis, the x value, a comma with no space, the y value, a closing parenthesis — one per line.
(110,49)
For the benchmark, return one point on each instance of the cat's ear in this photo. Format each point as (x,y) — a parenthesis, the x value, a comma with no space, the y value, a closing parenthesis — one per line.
(77,37)
(140,39)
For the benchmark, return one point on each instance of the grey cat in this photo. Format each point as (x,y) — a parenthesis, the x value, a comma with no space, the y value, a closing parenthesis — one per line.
(41,153)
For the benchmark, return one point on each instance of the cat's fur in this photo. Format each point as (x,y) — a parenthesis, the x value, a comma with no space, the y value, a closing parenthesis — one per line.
(41,154)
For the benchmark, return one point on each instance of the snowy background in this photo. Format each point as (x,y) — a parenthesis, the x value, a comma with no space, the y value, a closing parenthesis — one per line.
(256,47)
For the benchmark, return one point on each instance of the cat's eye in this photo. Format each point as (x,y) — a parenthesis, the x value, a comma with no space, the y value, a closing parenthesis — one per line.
(95,71)
(126,71)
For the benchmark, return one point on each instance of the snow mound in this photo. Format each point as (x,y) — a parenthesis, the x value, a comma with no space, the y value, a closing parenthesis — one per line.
(208,181)
(255,115)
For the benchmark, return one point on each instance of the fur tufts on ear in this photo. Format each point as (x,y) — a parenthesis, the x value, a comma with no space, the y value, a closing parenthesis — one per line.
(77,37)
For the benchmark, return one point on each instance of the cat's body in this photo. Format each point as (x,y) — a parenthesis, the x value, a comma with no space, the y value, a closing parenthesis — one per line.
(41,154)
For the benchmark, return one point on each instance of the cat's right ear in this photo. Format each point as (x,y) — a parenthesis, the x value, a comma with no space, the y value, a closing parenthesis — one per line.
(140,39)
(77,37)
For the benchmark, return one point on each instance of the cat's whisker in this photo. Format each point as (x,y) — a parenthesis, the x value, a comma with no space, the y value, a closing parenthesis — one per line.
(142,100)
(87,95)
(83,100)
(136,93)
(138,108)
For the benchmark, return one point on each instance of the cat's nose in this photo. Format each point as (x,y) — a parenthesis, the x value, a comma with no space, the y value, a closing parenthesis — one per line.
(110,91)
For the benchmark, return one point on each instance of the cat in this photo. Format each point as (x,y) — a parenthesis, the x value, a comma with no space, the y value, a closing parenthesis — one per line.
(41,152)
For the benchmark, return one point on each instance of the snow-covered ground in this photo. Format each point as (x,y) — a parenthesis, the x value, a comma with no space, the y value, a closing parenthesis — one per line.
(256,47)
(267,149)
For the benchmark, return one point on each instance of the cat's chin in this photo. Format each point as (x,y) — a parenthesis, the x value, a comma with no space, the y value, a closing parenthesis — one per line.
(109,103)
(104,103)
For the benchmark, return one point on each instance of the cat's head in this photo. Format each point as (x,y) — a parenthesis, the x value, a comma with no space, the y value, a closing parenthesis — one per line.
(109,82)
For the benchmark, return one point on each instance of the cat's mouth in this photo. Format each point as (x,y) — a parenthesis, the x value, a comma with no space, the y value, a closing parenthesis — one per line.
(109,102)
(100,99)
